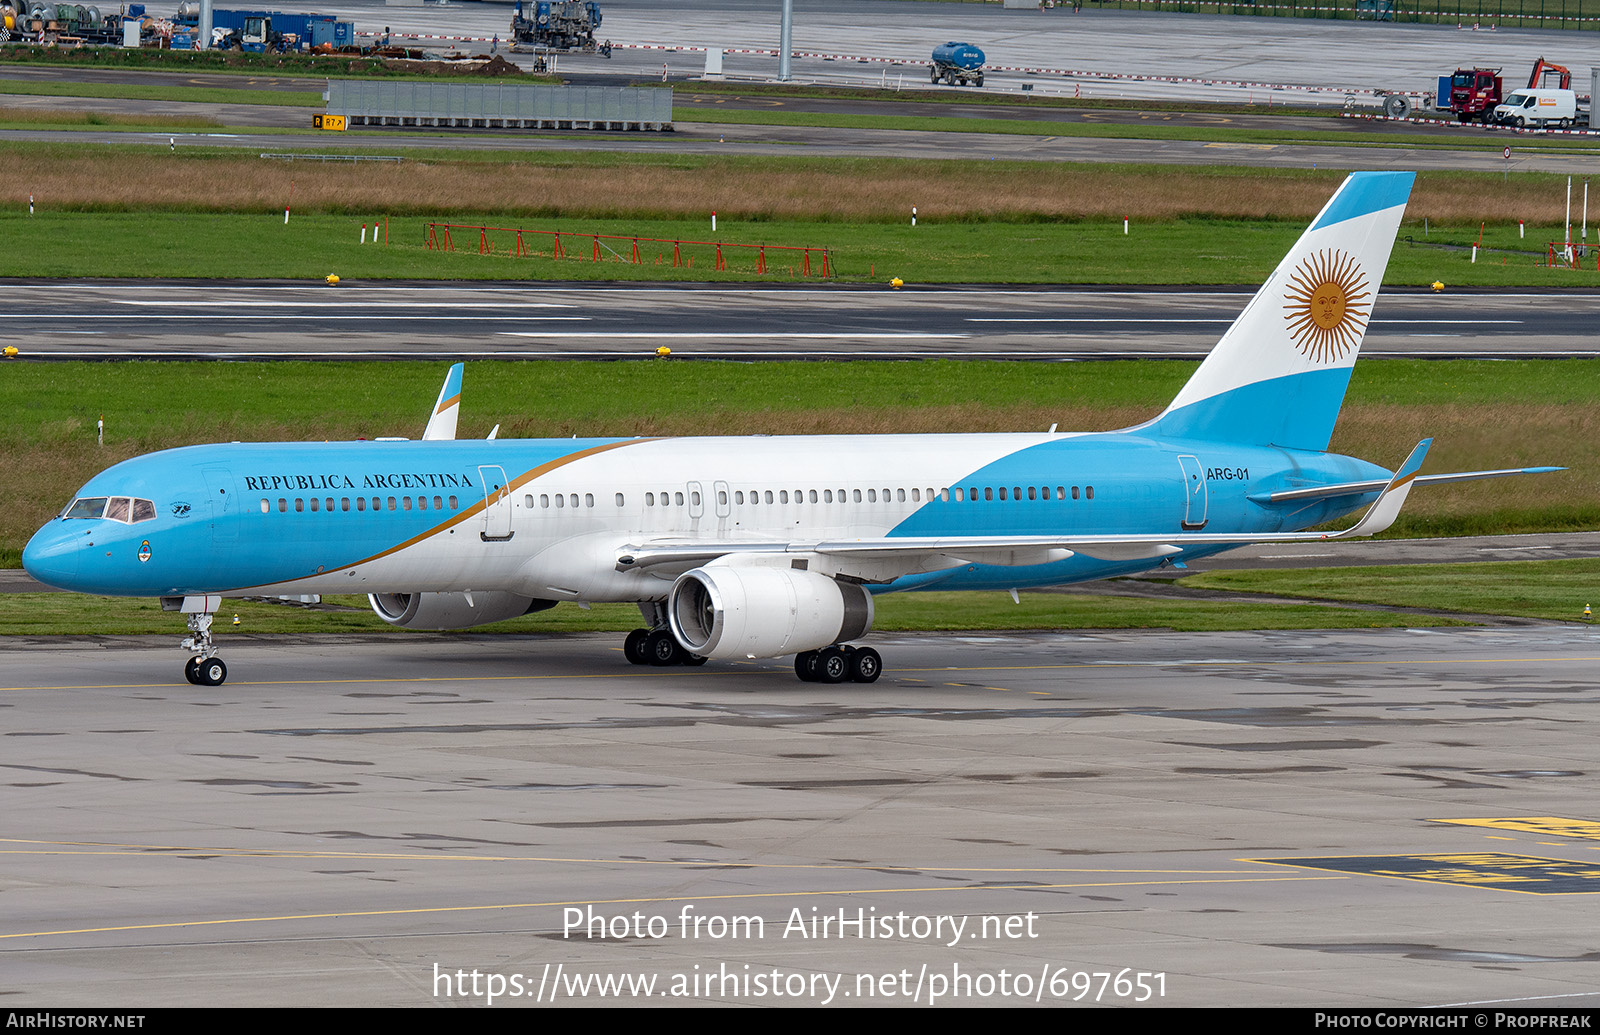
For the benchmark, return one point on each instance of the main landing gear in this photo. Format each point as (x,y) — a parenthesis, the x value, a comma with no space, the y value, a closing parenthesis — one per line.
(657,647)
(839,663)
(835,664)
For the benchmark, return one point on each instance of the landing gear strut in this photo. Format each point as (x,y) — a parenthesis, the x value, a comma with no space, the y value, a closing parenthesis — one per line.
(838,663)
(205,668)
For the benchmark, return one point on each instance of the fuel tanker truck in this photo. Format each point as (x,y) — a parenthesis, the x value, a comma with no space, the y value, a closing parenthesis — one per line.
(957,63)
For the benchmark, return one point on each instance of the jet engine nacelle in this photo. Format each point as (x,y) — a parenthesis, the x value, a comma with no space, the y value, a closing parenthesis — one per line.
(750,611)
(452,610)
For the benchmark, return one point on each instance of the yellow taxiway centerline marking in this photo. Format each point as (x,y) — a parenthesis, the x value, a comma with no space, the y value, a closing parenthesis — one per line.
(149,851)
(634,901)
(699,673)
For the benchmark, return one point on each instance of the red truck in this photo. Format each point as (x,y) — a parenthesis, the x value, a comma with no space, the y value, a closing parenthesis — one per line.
(1474,92)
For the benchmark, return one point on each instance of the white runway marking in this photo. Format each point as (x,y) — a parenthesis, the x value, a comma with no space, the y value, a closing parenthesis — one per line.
(728,335)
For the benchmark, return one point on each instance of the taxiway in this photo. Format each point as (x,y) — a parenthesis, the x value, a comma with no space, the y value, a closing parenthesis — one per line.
(1383,818)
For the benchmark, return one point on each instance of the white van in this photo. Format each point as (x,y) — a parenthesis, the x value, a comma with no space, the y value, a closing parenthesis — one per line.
(1535,108)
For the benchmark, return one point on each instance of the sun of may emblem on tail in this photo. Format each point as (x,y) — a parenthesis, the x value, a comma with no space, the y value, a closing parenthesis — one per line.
(1326,305)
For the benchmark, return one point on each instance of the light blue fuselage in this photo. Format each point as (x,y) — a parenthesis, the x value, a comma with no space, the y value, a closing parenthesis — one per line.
(478,515)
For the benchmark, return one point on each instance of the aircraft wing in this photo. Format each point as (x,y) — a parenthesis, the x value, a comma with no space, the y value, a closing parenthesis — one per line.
(904,554)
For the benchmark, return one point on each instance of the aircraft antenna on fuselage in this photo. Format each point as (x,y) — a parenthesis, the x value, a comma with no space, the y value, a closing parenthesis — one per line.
(442,422)
(1278,375)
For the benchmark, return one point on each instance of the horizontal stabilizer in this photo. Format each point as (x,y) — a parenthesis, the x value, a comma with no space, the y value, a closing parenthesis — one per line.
(1322,492)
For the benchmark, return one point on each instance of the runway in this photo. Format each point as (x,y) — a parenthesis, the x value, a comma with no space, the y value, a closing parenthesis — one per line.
(188,320)
(1291,819)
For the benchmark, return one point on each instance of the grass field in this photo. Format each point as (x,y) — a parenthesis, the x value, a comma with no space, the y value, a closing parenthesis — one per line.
(1547,590)
(71,614)
(1184,251)
(94,177)
(1552,590)
(154,92)
(15,117)
(149,212)
(1543,413)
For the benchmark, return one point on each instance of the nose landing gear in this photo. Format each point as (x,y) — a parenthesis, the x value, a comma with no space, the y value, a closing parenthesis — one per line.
(205,668)
(205,671)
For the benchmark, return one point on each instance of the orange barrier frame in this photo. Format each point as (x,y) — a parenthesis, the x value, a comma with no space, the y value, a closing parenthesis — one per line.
(1558,253)
(439,239)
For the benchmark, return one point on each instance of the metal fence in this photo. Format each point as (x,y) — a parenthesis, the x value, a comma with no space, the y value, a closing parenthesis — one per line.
(499,106)
(1511,14)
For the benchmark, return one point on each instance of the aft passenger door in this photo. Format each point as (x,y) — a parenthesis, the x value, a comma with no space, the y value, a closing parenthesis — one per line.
(1194,485)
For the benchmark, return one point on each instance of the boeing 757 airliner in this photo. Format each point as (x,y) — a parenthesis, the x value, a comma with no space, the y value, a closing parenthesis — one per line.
(769,546)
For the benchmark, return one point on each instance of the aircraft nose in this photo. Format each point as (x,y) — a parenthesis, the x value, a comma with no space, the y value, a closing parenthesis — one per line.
(51,556)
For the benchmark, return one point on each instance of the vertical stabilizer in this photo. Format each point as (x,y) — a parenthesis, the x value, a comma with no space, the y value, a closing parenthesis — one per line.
(442,424)
(1279,374)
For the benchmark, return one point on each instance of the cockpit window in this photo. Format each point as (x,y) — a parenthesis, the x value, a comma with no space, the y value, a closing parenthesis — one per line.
(86,507)
(112,508)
